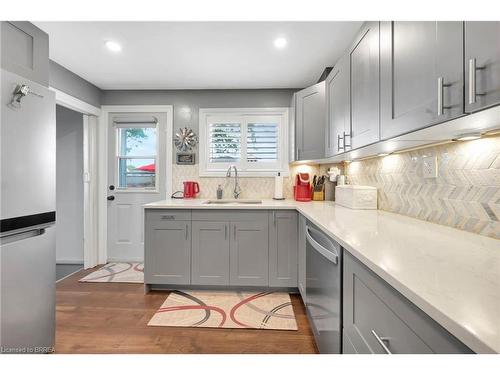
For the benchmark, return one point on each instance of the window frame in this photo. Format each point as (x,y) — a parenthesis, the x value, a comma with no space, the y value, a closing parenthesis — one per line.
(245,116)
(118,156)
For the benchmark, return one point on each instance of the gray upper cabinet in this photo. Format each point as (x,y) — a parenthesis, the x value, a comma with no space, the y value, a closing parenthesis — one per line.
(421,69)
(310,122)
(378,319)
(283,249)
(167,259)
(482,65)
(364,78)
(249,253)
(338,116)
(25,51)
(210,253)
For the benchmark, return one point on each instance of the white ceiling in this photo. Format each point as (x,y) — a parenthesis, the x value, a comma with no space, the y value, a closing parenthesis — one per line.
(198,55)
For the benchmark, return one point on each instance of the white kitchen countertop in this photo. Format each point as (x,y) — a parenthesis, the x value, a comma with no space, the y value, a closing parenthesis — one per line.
(452,275)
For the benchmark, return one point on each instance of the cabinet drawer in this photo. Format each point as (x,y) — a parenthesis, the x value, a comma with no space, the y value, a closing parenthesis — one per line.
(230,215)
(378,319)
(168,215)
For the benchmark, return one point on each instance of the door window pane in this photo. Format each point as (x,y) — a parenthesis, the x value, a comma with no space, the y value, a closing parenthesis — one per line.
(137,141)
(136,173)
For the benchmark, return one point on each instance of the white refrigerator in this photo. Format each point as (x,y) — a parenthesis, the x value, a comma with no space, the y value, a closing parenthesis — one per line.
(27,213)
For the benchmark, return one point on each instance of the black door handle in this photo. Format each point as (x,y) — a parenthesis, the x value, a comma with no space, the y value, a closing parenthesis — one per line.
(111,198)
(111,187)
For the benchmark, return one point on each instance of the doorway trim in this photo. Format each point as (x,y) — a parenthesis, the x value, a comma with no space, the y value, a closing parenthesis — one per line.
(102,141)
(90,225)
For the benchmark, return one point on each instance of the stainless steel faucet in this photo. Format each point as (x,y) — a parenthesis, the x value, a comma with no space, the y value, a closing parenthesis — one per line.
(237,189)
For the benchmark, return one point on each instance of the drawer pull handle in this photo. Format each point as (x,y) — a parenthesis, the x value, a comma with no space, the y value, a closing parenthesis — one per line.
(167,217)
(383,342)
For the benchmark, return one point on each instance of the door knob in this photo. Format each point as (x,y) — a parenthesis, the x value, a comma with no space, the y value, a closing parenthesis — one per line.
(111,198)
(111,187)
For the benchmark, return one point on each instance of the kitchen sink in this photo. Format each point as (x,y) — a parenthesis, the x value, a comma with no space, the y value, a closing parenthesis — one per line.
(237,201)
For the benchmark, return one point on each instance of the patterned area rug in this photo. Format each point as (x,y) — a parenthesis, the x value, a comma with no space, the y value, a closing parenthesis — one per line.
(127,272)
(265,310)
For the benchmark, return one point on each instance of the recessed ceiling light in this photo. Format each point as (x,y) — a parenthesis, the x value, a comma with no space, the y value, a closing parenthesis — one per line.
(467,137)
(113,46)
(280,42)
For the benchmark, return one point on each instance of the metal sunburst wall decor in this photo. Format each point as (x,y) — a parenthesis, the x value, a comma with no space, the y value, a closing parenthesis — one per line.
(185,139)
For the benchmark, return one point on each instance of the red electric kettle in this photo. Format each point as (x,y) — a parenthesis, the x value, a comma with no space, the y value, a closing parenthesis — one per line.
(191,188)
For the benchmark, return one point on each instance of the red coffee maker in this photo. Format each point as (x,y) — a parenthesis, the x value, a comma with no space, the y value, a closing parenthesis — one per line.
(302,189)
(191,188)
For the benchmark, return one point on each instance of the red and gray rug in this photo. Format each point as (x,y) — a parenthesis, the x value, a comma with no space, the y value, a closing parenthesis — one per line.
(226,309)
(119,272)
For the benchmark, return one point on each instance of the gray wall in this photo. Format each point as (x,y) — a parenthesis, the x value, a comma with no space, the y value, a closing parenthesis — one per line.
(69,186)
(74,85)
(187,102)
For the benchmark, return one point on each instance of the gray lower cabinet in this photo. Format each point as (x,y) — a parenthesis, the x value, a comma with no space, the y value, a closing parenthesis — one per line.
(482,65)
(338,117)
(302,257)
(421,75)
(249,253)
(364,78)
(378,319)
(167,256)
(210,253)
(25,51)
(283,248)
(310,122)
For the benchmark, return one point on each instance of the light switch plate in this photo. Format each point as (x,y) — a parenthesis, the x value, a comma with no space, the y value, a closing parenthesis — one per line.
(429,166)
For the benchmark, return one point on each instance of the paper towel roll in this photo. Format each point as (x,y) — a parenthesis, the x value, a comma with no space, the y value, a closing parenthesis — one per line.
(278,187)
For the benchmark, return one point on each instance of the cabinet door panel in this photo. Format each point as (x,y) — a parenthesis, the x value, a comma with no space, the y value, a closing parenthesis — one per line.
(364,67)
(310,122)
(283,248)
(210,253)
(414,57)
(249,253)
(338,109)
(482,43)
(25,51)
(168,252)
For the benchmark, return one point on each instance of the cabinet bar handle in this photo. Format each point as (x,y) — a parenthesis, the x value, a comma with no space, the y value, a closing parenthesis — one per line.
(234,230)
(167,217)
(383,342)
(346,145)
(338,143)
(187,231)
(440,106)
(274,218)
(225,232)
(472,81)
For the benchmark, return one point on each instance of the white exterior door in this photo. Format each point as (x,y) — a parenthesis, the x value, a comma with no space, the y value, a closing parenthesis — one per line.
(137,165)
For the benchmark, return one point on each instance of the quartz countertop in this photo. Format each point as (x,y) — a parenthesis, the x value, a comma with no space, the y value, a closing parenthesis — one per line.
(452,275)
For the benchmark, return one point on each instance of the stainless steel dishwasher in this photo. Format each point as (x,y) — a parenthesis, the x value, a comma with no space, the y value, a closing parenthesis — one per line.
(324,289)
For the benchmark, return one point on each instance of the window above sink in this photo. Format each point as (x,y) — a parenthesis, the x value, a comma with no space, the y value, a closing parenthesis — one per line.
(255,140)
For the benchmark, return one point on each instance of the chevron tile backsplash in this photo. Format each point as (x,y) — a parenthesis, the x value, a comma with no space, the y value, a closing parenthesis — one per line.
(465,195)
(251,187)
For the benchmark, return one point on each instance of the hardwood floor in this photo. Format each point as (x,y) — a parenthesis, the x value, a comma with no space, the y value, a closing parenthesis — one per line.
(112,318)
